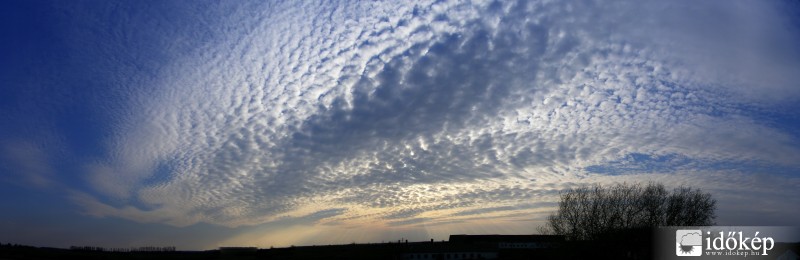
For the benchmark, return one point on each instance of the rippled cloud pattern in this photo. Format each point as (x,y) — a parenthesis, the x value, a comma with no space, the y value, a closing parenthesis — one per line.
(398,115)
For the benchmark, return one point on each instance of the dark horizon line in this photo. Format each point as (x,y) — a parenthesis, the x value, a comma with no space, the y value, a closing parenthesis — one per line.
(392,242)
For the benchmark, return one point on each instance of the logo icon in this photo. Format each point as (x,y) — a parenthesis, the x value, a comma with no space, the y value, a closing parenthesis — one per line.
(688,242)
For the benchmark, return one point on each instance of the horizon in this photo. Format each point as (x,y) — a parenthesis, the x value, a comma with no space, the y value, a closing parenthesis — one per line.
(176,249)
(783,238)
(205,124)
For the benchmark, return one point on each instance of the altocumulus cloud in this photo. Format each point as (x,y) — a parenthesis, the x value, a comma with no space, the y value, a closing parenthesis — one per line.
(398,114)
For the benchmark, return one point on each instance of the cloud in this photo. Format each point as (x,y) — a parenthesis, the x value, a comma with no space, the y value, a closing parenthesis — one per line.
(405,113)
(409,221)
(692,239)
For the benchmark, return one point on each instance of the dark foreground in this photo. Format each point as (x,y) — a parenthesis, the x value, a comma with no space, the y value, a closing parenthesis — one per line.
(458,247)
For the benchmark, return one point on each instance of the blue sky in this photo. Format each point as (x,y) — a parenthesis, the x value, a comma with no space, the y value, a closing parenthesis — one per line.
(211,123)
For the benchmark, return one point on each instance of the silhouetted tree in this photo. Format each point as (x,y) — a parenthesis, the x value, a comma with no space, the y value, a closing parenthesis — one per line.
(590,213)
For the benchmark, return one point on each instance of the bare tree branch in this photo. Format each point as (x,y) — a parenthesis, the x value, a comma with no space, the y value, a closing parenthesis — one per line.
(587,213)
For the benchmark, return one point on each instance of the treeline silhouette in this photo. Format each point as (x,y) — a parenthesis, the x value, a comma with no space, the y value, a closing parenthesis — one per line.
(617,221)
(590,213)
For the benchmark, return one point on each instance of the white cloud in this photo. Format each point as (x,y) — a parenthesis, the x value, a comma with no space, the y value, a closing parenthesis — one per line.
(418,112)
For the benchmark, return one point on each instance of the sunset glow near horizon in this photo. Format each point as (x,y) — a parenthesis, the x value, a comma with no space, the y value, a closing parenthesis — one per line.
(201,124)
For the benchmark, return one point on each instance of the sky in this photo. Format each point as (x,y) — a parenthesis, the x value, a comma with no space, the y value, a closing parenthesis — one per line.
(201,124)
